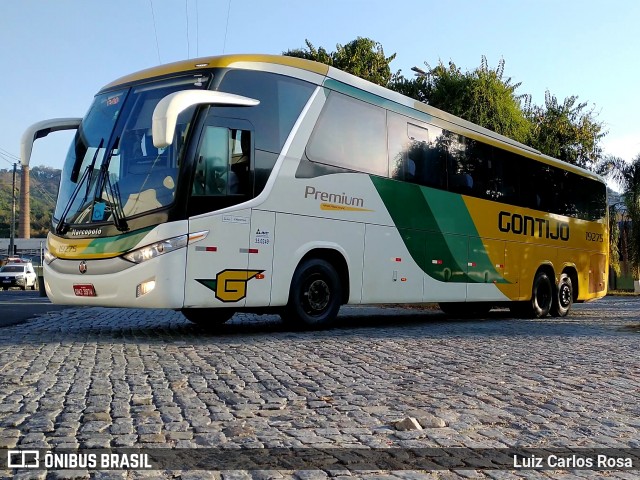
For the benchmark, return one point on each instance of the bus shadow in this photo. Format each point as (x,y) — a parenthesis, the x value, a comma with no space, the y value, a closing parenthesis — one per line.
(418,324)
(169,327)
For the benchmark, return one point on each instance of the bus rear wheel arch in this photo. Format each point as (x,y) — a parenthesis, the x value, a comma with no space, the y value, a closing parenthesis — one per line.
(315,295)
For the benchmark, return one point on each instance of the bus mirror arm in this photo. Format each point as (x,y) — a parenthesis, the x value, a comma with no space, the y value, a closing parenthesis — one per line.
(165,115)
(42,129)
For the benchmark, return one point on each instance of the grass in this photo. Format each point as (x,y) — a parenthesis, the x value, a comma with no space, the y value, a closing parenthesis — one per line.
(622,293)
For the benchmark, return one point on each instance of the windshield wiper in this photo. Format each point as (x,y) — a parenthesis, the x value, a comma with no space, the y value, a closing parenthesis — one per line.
(119,218)
(62,226)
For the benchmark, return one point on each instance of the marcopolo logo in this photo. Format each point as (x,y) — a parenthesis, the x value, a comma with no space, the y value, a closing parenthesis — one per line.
(532,226)
(77,233)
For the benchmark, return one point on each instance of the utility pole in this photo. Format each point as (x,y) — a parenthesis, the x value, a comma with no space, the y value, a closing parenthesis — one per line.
(25,207)
(12,237)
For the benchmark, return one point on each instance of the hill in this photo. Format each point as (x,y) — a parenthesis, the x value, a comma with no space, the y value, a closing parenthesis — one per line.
(44,190)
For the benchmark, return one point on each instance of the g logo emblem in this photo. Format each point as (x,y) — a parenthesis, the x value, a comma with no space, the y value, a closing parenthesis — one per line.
(230,285)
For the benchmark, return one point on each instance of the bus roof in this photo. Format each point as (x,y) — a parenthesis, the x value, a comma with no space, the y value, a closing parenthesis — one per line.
(223,61)
(322,70)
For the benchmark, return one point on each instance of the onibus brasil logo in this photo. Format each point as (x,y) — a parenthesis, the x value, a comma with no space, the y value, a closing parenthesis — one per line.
(72,460)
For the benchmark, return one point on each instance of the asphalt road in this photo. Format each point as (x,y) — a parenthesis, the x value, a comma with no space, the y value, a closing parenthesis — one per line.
(17,306)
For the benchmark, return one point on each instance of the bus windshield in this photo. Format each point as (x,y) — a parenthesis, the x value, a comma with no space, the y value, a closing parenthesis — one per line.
(112,170)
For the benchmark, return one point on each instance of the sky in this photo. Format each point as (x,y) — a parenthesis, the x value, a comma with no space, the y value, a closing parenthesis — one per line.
(56,55)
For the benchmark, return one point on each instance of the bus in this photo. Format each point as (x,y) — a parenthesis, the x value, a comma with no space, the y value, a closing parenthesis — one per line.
(276,184)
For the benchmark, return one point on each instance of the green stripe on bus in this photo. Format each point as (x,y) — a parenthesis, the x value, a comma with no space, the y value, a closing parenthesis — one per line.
(117,244)
(423,217)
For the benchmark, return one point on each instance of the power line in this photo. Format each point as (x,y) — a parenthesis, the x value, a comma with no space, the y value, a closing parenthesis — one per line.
(8,153)
(186,14)
(153,16)
(8,159)
(41,189)
(197,30)
(226,28)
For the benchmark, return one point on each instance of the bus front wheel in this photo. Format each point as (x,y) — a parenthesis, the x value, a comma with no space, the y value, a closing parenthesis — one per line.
(315,295)
(207,317)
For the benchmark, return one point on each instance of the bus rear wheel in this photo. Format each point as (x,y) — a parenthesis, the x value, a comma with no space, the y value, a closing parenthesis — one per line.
(563,298)
(541,299)
(207,317)
(315,295)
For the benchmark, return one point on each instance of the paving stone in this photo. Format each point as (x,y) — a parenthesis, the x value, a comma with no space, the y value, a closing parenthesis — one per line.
(99,378)
(408,423)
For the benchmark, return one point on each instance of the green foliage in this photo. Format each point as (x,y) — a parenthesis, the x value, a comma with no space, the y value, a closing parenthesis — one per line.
(44,183)
(614,239)
(567,131)
(311,53)
(627,175)
(362,57)
(482,96)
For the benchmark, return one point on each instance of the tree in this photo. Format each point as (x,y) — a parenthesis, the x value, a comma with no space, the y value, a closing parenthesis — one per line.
(311,53)
(614,239)
(627,175)
(567,131)
(482,96)
(362,57)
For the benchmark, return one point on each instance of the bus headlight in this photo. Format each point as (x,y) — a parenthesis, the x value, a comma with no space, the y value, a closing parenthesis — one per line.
(156,249)
(48,257)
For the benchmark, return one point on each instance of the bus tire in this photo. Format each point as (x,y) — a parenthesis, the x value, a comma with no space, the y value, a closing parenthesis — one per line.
(541,299)
(315,295)
(563,298)
(541,295)
(207,317)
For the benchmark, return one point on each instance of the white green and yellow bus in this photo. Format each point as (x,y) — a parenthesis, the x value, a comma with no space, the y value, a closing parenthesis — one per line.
(271,183)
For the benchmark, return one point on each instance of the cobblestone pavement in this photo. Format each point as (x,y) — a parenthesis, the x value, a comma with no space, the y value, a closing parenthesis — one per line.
(97,377)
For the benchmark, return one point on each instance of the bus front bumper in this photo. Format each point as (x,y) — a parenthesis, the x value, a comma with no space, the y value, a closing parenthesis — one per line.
(155,283)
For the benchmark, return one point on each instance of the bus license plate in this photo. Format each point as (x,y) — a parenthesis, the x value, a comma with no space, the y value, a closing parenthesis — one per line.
(84,290)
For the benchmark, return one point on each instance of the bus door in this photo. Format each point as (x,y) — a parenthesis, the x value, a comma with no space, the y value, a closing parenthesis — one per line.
(218,264)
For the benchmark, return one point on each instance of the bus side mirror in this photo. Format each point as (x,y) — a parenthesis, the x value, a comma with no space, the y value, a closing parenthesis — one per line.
(42,129)
(165,115)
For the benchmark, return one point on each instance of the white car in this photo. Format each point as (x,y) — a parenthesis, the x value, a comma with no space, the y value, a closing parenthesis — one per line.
(18,275)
